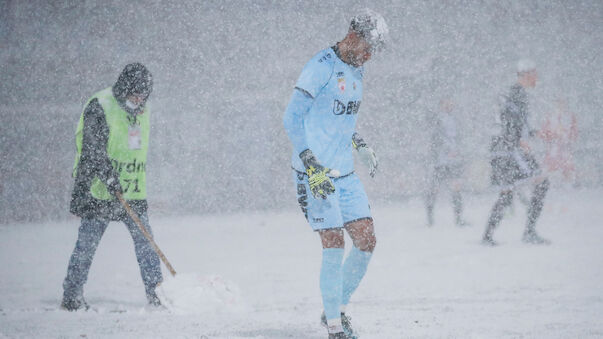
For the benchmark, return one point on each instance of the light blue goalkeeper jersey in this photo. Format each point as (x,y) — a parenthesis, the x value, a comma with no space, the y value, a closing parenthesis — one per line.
(328,126)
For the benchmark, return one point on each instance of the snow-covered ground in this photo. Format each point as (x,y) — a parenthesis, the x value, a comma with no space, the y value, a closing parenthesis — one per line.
(256,276)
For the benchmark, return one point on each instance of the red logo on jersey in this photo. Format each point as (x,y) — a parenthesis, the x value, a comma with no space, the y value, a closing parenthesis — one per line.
(341,84)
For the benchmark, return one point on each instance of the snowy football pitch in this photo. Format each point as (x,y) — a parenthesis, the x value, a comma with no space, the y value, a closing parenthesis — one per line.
(257,276)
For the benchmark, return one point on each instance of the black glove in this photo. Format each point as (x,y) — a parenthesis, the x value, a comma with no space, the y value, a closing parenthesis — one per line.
(320,184)
(113,186)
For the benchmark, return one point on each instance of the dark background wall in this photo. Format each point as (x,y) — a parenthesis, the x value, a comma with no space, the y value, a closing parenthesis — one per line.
(224,71)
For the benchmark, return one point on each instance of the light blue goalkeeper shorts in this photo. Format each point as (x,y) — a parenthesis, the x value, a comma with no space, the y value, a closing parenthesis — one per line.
(347,204)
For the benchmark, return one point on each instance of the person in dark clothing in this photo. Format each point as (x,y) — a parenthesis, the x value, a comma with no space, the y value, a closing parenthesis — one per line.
(512,163)
(447,161)
(112,142)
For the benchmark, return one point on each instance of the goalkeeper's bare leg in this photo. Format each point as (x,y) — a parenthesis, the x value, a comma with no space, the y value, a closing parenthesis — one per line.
(331,274)
(363,237)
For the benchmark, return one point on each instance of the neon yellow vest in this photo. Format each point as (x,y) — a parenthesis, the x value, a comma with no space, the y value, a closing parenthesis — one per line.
(129,163)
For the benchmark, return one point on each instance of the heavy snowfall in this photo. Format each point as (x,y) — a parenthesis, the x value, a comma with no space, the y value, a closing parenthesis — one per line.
(222,202)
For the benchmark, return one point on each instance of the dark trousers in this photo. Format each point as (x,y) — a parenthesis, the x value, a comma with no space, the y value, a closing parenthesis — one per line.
(89,235)
(505,199)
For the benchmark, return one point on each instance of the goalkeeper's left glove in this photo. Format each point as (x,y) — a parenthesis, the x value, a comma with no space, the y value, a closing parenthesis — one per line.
(366,154)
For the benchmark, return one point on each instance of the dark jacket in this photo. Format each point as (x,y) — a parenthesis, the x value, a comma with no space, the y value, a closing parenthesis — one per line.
(509,162)
(514,117)
(94,162)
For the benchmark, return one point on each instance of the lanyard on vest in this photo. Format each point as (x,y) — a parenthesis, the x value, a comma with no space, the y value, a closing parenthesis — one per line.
(134,139)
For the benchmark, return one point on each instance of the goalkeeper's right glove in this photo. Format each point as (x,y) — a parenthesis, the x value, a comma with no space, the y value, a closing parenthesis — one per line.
(320,184)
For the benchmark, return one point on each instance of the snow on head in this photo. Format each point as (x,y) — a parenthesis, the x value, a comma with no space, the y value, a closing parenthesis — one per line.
(372,27)
(191,293)
(525,65)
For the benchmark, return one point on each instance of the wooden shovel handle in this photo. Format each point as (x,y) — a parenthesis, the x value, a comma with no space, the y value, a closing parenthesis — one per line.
(145,233)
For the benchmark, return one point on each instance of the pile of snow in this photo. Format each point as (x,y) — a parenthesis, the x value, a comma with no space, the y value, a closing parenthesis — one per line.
(191,293)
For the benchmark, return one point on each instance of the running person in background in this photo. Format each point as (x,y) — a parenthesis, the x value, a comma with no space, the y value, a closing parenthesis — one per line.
(321,123)
(112,141)
(512,162)
(447,161)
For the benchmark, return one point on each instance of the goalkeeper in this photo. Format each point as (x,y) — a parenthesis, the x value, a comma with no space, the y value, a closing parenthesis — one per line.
(321,121)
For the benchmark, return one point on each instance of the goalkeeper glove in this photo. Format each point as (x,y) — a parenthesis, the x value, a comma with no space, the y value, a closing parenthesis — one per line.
(320,184)
(366,154)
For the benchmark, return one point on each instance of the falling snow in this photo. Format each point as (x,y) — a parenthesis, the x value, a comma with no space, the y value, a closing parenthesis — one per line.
(222,203)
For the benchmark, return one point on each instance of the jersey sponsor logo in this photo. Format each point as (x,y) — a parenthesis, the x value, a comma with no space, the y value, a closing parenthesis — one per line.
(340,108)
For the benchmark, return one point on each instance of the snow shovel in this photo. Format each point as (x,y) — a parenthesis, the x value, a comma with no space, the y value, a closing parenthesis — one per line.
(184,294)
(145,233)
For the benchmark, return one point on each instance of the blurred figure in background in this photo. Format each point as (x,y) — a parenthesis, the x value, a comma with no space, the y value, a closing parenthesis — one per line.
(512,161)
(447,161)
(112,139)
(559,133)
